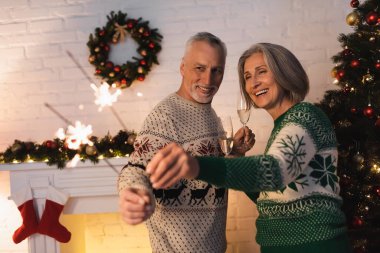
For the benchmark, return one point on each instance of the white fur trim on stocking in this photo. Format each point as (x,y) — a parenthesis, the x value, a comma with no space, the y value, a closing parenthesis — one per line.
(56,195)
(22,195)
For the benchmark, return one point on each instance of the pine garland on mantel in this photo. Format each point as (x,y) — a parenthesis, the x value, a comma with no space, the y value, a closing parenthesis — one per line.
(56,152)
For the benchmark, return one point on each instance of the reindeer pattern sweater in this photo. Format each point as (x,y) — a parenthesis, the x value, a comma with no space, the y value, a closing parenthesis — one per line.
(190,216)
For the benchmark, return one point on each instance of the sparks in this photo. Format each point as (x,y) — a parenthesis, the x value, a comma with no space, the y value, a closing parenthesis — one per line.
(75,136)
(103,95)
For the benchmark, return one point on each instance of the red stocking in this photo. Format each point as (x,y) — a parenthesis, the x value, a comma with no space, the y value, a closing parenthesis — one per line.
(49,224)
(24,201)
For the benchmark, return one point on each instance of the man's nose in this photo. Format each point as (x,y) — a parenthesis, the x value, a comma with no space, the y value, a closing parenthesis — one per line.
(206,77)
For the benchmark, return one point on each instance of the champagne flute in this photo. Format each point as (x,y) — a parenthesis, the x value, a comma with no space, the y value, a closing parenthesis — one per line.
(244,113)
(226,141)
(242,109)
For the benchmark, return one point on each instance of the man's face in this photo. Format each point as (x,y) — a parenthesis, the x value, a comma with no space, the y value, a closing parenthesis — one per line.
(202,70)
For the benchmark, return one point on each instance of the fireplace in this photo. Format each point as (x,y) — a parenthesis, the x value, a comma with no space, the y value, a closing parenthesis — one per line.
(92,188)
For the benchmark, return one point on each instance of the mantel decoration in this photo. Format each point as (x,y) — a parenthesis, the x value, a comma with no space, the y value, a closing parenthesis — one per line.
(115,31)
(56,152)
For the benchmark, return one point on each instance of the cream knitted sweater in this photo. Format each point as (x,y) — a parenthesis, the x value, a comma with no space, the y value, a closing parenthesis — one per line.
(191,216)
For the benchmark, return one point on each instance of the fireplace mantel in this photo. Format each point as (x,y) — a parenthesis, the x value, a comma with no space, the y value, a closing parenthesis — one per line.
(92,189)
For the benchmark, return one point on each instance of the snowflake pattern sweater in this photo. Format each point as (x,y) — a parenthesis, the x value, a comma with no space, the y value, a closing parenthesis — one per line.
(191,216)
(299,202)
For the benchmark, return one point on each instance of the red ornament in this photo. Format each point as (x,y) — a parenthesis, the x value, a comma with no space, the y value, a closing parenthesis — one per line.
(354,110)
(117,68)
(346,89)
(146,33)
(98,71)
(141,78)
(340,74)
(142,62)
(109,65)
(377,65)
(131,23)
(357,222)
(50,144)
(123,81)
(368,111)
(151,45)
(106,48)
(354,3)
(101,33)
(372,18)
(354,63)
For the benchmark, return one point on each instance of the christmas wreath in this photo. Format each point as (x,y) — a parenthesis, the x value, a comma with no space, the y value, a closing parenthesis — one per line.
(116,30)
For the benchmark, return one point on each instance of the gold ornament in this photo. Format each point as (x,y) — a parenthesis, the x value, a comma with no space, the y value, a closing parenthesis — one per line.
(131,139)
(140,70)
(367,78)
(112,74)
(91,150)
(91,59)
(97,49)
(372,39)
(334,71)
(352,19)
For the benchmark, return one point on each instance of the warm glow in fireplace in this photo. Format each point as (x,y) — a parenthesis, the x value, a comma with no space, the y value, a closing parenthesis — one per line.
(103,232)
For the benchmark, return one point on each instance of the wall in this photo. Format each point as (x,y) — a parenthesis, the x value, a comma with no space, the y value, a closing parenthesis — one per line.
(35,69)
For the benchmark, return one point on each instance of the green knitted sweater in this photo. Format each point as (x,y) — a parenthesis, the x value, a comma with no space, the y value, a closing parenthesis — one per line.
(294,184)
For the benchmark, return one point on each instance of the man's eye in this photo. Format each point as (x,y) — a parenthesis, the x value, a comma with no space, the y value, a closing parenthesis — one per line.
(247,78)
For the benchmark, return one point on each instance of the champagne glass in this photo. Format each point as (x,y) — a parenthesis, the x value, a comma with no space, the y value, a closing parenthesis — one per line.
(226,137)
(244,113)
(242,109)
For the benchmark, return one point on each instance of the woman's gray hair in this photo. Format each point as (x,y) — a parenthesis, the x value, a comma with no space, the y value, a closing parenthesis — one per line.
(288,72)
(210,39)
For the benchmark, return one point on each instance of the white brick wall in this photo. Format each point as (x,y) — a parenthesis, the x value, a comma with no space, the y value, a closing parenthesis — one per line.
(34,69)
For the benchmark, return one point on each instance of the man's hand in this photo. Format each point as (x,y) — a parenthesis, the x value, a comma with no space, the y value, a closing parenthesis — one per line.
(136,205)
(169,165)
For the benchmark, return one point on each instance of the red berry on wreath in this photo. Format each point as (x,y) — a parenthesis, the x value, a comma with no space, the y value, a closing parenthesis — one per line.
(354,110)
(142,62)
(146,33)
(117,68)
(109,65)
(101,33)
(98,71)
(357,222)
(151,45)
(106,48)
(123,81)
(377,123)
(141,78)
(131,23)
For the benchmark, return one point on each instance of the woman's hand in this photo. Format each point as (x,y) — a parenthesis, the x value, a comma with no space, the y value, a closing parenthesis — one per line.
(244,139)
(169,165)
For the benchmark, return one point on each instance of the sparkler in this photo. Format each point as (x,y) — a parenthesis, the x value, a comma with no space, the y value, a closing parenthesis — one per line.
(93,85)
(103,96)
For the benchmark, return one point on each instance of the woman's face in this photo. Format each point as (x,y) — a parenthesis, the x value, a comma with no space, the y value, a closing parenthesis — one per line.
(260,83)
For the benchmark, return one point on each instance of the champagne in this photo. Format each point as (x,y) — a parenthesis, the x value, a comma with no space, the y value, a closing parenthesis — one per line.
(243,115)
(226,144)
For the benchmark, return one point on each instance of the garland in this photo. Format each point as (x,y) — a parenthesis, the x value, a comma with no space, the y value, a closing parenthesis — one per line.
(115,31)
(56,152)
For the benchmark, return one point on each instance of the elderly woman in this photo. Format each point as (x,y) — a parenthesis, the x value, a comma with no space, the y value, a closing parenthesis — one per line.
(294,183)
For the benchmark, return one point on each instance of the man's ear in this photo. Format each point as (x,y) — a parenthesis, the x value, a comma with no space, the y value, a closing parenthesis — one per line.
(182,67)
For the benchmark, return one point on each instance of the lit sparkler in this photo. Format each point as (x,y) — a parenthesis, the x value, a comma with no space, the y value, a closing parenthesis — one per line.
(103,96)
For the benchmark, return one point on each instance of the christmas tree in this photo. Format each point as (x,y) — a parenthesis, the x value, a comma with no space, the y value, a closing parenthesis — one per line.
(354,110)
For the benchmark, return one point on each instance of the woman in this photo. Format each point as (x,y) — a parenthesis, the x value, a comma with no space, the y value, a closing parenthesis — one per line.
(295,179)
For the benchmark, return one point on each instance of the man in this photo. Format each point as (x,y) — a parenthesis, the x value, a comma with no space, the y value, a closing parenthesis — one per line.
(190,216)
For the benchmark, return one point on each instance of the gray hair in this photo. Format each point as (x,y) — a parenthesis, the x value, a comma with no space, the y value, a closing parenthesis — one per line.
(210,39)
(287,70)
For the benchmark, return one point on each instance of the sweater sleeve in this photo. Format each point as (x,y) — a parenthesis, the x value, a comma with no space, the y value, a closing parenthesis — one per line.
(249,174)
(158,130)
